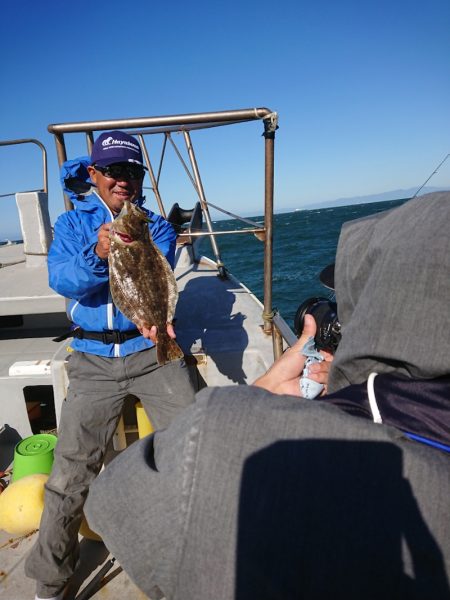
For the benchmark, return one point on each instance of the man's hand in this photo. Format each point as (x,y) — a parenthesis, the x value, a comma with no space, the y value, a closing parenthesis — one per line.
(152,332)
(283,377)
(104,243)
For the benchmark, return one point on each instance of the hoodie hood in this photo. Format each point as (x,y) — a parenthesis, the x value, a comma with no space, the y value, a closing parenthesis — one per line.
(75,178)
(392,287)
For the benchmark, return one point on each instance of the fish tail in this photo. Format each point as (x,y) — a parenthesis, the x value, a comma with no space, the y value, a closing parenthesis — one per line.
(167,349)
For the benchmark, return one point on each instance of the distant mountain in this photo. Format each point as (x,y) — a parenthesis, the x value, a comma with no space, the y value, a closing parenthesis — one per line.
(383,197)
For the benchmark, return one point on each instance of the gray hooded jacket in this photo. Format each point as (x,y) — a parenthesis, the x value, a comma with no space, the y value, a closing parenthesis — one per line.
(392,280)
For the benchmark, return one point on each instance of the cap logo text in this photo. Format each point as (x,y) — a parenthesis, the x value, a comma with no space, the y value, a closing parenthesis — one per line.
(110,141)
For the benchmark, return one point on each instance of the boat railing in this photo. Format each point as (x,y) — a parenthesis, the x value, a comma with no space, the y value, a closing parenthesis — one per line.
(34,217)
(185,124)
(44,188)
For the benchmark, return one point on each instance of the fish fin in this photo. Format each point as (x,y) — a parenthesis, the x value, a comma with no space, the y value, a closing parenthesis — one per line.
(167,349)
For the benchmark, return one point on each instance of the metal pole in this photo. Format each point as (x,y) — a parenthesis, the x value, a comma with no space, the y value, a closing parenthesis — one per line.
(270,125)
(89,141)
(225,116)
(277,343)
(163,153)
(152,177)
(201,194)
(62,157)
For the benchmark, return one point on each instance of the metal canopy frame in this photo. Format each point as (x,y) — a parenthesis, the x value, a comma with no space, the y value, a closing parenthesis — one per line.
(185,123)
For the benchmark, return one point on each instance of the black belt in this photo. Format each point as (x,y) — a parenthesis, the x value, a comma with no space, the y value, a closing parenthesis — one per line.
(106,337)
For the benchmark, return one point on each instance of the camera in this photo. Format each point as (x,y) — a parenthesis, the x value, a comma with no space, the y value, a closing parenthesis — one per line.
(324,311)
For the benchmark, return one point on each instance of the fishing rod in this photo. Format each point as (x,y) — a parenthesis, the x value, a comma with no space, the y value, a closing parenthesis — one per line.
(433,173)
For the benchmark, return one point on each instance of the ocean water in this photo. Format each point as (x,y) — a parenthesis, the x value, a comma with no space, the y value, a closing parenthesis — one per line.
(304,243)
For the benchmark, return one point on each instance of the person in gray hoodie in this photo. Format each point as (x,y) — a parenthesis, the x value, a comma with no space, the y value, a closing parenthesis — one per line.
(255,493)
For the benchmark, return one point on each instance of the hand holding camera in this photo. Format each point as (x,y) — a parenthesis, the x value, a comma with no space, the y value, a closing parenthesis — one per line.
(283,377)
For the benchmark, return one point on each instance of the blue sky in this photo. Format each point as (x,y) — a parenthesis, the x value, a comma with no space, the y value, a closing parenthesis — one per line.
(362,90)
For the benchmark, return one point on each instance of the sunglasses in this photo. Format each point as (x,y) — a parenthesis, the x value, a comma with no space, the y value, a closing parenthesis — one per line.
(119,172)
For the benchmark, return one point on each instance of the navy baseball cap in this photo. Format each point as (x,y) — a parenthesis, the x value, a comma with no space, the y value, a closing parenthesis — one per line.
(116,147)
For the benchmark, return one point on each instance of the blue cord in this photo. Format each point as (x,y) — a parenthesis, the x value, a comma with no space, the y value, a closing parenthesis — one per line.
(419,438)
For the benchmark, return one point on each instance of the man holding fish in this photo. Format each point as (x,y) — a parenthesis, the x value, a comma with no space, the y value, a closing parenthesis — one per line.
(113,259)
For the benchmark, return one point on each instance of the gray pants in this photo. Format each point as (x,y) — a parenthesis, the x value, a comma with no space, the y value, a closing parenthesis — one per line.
(89,417)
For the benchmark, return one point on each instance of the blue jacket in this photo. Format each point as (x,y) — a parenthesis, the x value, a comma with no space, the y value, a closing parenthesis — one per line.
(76,272)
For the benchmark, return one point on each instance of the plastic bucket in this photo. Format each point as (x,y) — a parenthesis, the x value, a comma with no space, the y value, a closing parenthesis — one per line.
(33,455)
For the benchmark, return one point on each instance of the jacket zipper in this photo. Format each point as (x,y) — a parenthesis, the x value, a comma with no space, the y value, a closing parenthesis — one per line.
(109,306)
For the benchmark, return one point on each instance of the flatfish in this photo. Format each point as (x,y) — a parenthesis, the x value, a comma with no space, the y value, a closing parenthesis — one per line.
(142,283)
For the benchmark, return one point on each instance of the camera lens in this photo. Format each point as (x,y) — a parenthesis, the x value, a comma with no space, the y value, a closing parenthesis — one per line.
(328,334)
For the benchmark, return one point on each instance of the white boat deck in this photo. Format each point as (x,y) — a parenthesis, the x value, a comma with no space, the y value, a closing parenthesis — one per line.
(24,290)
(223,319)
(11,254)
(15,586)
